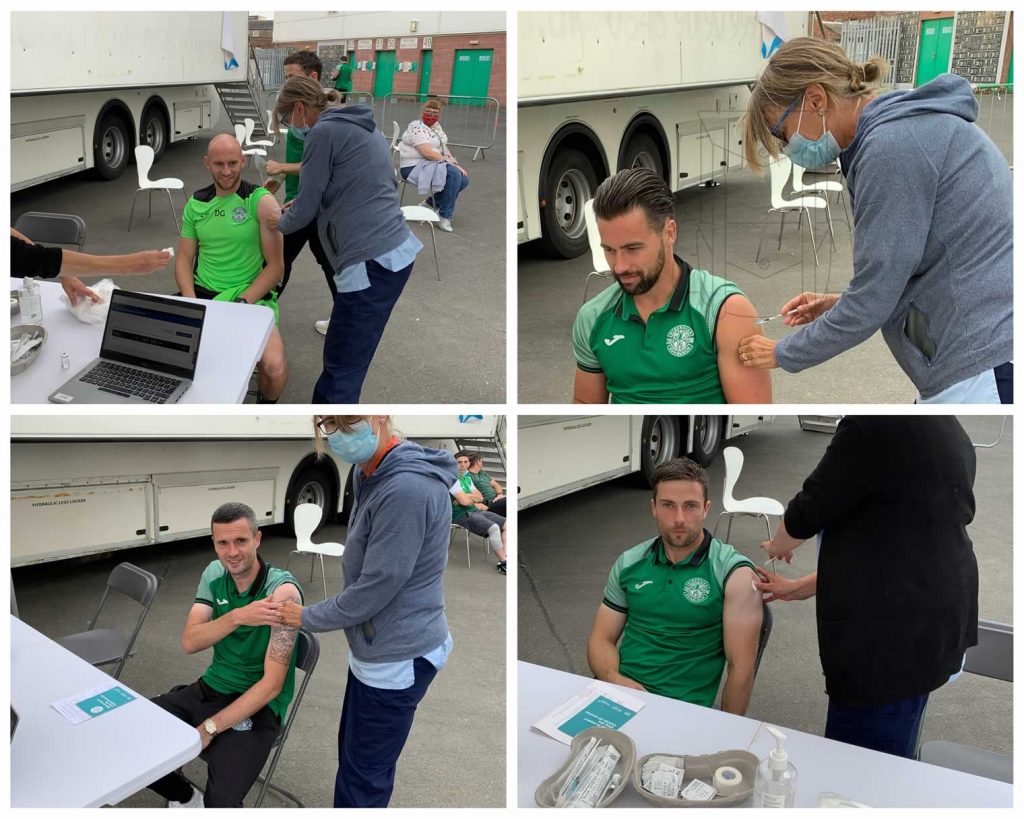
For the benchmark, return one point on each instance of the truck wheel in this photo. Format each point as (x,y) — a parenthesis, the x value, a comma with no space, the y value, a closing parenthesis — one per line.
(312,485)
(643,153)
(571,181)
(659,442)
(110,147)
(154,132)
(707,438)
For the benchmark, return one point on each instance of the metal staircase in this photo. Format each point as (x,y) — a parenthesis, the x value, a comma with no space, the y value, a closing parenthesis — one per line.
(244,99)
(493,452)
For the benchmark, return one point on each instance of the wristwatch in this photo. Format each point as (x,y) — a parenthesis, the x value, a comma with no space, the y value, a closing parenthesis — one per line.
(210,727)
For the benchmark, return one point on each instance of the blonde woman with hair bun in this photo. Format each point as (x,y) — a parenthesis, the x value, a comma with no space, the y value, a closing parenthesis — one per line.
(932,216)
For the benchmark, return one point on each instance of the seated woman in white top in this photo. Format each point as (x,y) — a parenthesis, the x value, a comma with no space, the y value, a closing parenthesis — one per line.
(425,141)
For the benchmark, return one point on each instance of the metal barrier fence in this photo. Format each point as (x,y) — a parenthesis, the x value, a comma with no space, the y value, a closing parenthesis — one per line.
(470,122)
(271,65)
(877,37)
(995,114)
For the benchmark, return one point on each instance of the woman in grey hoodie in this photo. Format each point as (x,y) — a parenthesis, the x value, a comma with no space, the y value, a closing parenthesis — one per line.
(933,213)
(392,606)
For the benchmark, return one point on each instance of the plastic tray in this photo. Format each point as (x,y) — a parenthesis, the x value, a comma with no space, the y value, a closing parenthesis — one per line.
(547,791)
(702,768)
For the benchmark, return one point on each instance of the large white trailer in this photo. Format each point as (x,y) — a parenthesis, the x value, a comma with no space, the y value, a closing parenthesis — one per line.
(87,484)
(603,91)
(559,454)
(87,87)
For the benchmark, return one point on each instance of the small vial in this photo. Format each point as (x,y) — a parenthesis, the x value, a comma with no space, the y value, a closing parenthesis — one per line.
(65,361)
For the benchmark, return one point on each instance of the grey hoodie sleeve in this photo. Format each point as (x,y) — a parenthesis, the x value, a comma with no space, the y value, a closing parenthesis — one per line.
(317,164)
(396,538)
(896,188)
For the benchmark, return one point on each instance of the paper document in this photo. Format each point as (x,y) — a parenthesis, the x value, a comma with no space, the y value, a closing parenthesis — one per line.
(92,703)
(598,705)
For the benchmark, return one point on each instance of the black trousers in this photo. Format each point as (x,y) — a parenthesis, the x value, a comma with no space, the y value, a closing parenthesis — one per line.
(498,506)
(293,244)
(235,757)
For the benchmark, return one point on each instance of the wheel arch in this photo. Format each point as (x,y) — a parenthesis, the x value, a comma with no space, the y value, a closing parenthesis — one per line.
(160,104)
(325,463)
(576,135)
(121,108)
(645,123)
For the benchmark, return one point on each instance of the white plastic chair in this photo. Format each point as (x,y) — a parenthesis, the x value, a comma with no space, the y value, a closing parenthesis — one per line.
(601,267)
(421,213)
(749,507)
(250,126)
(254,152)
(396,137)
(143,162)
(781,170)
(305,519)
(823,188)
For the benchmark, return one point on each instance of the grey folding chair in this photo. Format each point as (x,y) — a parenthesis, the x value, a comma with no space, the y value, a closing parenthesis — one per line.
(53,228)
(102,646)
(308,648)
(992,657)
(455,529)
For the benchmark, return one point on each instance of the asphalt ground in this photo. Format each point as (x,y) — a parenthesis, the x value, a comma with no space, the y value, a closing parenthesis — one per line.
(719,230)
(568,546)
(412,364)
(455,754)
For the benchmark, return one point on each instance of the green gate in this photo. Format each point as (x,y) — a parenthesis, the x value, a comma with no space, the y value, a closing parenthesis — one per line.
(384,74)
(936,45)
(426,61)
(471,75)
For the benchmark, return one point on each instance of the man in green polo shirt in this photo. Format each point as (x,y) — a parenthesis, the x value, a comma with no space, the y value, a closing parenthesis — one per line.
(239,703)
(470,512)
(683,603)
(343,77)
(667,333)
(239,256)
(490,489)
(299,64)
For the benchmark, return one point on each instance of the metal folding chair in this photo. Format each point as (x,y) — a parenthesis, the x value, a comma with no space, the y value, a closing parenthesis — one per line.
(104,646)
(53,228)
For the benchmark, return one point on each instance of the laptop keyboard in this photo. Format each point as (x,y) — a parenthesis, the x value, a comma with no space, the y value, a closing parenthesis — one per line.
(131,383)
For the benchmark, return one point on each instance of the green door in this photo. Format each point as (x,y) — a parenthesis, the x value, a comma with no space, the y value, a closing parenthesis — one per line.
(426,61)
(471,76)
(384,74)
(936,45)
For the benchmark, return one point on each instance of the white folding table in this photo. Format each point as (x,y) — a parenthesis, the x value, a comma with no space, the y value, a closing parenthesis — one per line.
(234,337)
(669,726)
(101,761)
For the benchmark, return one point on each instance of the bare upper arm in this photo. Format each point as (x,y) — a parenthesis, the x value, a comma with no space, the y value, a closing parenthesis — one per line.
(608,624)
(590,388)
(199,613)
(282,638)
(271,240)
(741,616)
(187,248)
(741,385)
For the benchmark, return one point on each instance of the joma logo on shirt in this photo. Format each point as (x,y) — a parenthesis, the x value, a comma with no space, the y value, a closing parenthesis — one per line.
(638,586)
(610,341)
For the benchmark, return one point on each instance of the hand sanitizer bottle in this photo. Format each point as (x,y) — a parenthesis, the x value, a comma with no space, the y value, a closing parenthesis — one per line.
(775,783)
(31,301)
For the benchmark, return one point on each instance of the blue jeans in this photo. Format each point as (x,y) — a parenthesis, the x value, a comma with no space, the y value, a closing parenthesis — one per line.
(444,201)
(891,729)
(375,724)
(357,323)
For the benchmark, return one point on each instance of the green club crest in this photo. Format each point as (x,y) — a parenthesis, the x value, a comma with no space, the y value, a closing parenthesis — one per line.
(696,589)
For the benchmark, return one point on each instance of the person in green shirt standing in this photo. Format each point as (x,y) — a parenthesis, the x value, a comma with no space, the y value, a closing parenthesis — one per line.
(343,77)
(237,706)
(299,64)
(683,604)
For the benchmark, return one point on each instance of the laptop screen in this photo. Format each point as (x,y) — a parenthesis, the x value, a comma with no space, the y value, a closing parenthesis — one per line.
(152,331)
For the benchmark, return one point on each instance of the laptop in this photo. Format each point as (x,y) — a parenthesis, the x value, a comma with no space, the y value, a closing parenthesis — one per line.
(148,355)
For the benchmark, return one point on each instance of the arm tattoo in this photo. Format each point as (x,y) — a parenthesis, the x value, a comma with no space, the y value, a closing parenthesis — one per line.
(282,641)
(282,638)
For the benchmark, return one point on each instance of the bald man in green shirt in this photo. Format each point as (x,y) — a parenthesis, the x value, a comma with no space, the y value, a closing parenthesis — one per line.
(682,603)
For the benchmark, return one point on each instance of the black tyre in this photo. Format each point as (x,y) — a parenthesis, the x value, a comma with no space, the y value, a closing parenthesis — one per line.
(313,484)
(643,153)
(707,438)
(570,182)
(660,441)
(111,147)
(154,132)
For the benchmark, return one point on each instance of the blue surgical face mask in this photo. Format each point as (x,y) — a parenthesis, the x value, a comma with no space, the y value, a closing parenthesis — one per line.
(812,153)
(354,447)
(300,132)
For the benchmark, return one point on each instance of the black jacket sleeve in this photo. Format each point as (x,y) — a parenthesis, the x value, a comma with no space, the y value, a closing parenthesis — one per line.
(35,260)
